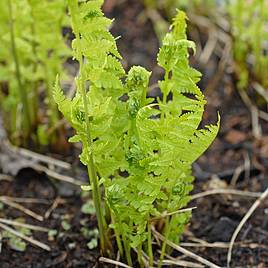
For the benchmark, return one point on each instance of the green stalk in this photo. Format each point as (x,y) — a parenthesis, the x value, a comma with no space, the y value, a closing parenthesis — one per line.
(22,91)
(118,240)
(35,83)
(164,245)
(125,243)
(97,202)
(166,233)
(73,6)
(140,256)
(150,249)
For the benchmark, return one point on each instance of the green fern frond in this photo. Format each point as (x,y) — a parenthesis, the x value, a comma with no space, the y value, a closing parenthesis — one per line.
(200,142)
(63,103)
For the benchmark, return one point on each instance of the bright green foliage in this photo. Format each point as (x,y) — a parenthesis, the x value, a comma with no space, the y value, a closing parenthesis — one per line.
(29,62)
(142,150)
(249,29)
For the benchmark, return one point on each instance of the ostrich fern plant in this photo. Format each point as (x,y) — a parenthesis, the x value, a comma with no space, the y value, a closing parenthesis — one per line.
(140,149)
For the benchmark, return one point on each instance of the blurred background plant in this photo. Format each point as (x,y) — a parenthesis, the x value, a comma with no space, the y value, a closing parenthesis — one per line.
(249,28)
(242,24)
(32,52)
(161,12)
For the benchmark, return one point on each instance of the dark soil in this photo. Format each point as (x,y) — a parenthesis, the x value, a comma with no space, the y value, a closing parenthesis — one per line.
(216,216)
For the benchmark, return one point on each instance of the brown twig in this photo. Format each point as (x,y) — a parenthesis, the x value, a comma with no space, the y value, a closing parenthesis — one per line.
(57,176)
(56,202)
(197,242)
(39,157)
(223,245)
(256,128)
(226,191)
(24,237)
(236,174)
(165,214)
(262,91)
(21,208)
(110,261)
(117,258)
(243,221)
(24,225)
(179,261)
(185,251)
(205,245)
(26,200)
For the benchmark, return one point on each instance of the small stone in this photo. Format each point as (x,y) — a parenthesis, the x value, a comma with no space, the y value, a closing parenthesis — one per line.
(222,230)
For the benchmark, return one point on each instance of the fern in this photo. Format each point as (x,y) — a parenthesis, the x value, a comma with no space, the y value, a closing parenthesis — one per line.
(33,30)
(249,21)
(140,149)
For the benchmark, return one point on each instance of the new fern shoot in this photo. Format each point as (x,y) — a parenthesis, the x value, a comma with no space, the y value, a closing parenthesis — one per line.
(138,150)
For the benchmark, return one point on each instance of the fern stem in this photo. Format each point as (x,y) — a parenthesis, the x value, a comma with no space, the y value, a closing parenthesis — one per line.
(125,243)
(97,203)
(164,245)
(22,91)
(140,256)
(117,237)
(150,249)
(73,6)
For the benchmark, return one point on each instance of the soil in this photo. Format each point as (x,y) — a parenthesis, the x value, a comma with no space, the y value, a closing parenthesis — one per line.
(216,216)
